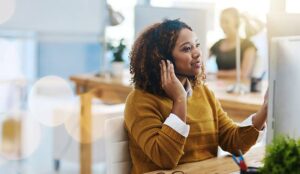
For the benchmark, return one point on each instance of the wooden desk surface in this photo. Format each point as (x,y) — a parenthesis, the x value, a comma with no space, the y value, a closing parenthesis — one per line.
(219,165)
(89,81)
(114,90)
(238,106)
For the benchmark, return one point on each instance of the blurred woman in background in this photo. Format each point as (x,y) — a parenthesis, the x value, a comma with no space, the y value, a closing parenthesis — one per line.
(225,49)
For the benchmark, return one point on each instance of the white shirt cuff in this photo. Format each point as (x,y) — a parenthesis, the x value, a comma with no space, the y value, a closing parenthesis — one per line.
(248,122)
(178,125)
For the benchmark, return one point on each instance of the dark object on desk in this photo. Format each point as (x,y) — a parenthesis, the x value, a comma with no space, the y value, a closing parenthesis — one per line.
(255,84)
(244,169)
(251,170)
(175,172)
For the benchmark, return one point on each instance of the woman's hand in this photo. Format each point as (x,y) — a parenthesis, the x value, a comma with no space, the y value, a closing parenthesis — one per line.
(261,116)
(173,88)
(266,100)
(170,83)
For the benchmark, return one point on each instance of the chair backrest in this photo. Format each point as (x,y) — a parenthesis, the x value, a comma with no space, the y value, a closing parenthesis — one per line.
(118,159)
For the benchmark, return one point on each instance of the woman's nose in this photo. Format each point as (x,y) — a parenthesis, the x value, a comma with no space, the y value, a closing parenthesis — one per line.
(197,53)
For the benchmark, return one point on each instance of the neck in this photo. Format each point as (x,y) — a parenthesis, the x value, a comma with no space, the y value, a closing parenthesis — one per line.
(182,78)
(231,38)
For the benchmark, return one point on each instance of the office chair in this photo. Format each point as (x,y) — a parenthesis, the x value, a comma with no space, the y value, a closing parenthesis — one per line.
(118,159)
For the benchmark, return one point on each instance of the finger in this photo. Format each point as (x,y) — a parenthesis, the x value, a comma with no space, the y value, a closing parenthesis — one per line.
(172,71)
(169,70)
(160,69)
(163,74)
(165,68)
(266,94)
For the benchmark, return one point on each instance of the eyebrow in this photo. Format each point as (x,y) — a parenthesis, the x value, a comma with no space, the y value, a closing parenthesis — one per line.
(188,42)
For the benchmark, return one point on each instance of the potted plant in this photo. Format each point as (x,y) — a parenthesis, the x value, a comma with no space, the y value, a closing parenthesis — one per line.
(282,156)
(118,61)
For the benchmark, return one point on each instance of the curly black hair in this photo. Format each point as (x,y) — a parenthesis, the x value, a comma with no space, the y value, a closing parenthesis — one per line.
(154,44)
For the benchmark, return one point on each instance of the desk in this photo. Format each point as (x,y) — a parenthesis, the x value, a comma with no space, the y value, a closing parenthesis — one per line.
(114,90)
(219,165)
(238,106)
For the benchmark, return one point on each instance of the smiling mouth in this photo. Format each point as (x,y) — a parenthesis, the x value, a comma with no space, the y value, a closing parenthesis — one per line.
(196,63)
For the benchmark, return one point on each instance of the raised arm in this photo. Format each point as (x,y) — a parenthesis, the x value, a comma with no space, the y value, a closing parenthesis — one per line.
(248,62)
(231,136)
(145,120)
(174,89)
(145,124)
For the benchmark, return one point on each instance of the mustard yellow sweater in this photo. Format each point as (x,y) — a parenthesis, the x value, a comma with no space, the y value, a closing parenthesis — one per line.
(154,145)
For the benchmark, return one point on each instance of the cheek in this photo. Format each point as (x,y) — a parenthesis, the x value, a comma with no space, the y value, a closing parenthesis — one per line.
(182,63)
(182,60)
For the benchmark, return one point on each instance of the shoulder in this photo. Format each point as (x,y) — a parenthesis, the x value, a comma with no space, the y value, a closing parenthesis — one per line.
(204,90)
(246,43)
(219,42)
(138,99)
(216,45)
(142,105)
(138,95)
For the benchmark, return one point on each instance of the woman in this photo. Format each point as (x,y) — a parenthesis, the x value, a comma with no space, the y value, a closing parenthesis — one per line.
(225,49)
(171,116)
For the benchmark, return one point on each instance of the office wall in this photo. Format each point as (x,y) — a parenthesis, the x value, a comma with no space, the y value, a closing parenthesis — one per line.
(58,16)
(67,34)
(65,59)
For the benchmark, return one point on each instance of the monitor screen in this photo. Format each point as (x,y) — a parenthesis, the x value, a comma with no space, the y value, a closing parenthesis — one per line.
(284,87)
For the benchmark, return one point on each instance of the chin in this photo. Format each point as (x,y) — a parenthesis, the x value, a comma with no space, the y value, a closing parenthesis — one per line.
(197,73)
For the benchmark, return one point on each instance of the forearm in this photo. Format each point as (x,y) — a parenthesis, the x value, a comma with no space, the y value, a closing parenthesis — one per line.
(260,117)
(248,62)
(165,149)
(163,146)
(179,108)
(233,137)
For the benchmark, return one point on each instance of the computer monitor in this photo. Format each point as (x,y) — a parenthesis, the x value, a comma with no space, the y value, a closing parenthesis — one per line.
(283,24)
(284,86)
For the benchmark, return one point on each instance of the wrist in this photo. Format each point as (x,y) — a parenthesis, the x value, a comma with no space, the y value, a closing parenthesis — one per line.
(179,108)
(260,118)
(180,99)
(263,110)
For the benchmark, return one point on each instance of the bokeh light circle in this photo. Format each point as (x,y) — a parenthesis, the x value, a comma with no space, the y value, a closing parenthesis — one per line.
(7,9)
(99,113)
(20,136)
(48,99)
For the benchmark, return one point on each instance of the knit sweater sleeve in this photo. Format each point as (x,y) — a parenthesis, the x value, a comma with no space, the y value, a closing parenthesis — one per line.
(144,122)
(232,137)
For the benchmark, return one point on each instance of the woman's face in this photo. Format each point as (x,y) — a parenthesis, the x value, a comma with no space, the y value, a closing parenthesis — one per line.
(229,24)
(187,54)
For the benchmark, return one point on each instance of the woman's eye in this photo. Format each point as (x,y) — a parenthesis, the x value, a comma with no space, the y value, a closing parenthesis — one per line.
(197,45)
(186,49)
